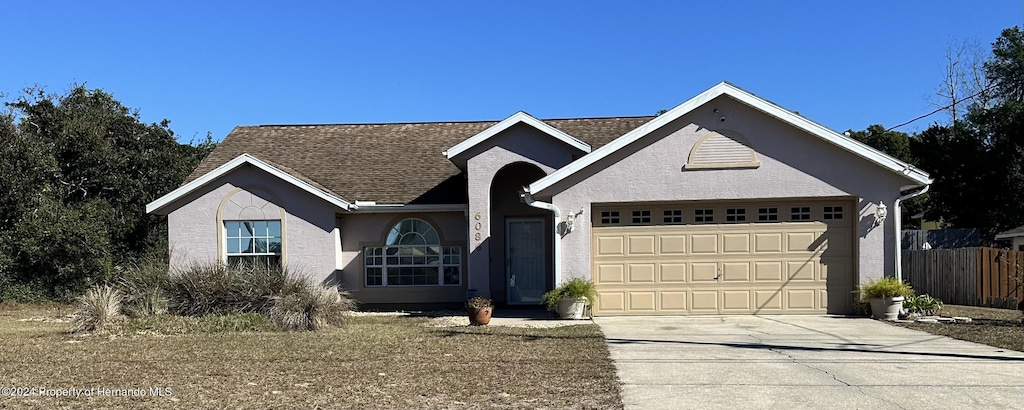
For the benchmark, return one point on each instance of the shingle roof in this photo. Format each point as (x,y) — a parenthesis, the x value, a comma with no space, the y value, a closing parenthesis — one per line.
(1012,233)
(387,163)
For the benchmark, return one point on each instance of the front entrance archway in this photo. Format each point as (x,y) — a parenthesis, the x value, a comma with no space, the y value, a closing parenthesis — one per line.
(521,251)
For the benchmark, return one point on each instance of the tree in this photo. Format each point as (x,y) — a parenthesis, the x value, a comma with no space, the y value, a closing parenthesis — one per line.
(77,172)
(1006,67)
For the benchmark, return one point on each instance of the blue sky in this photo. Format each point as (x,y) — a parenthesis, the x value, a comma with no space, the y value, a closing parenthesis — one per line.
(208,65)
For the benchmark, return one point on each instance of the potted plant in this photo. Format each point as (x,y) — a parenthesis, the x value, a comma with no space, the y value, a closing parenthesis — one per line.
(886,296)
(479,310)
(570,299)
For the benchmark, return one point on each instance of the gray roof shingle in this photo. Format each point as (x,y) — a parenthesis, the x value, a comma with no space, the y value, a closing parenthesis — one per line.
(388,163)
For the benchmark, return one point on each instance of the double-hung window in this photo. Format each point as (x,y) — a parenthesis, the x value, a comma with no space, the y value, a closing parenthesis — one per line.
(412,255)
(253,242)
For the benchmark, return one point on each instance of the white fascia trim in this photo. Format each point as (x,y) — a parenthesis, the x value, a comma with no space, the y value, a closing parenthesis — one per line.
(393,208)
(795,120)
(235,163)
(519,117)
(1009,235)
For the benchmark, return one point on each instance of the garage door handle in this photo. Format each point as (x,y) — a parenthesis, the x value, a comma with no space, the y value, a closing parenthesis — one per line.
(718,274)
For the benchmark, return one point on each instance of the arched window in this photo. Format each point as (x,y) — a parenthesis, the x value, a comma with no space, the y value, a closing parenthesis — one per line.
(412,255)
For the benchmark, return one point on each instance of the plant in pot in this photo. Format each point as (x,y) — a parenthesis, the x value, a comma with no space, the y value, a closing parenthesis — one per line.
(886,296)
(479,310)
(570,299)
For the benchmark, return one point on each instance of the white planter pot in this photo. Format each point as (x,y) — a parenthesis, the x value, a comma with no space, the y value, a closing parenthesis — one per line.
(571,308)
(887,308)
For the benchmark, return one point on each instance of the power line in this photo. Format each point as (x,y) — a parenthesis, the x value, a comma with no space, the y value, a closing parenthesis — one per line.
(943,108)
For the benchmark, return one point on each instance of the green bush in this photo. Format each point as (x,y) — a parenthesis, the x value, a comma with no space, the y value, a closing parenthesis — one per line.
(923,304)
(885,287)
(22,293)
(311,307)
(98,307)
(574,288)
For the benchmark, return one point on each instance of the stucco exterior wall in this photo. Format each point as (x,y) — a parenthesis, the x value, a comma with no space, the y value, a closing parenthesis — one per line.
(792,164)
(1018,243)
(359,230)
(196,231)
(520,143)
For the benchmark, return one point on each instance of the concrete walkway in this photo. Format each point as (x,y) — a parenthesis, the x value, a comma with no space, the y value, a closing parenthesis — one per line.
(798,362)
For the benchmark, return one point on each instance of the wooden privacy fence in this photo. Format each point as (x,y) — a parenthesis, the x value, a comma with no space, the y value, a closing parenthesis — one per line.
(967,276)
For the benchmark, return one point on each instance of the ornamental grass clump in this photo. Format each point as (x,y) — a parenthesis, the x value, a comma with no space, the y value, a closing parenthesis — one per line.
(97,308)
(573,289)
(885,288)
(311,307)
(219,289)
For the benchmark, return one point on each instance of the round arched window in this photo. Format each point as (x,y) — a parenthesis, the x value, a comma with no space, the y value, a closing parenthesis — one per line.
(412,255)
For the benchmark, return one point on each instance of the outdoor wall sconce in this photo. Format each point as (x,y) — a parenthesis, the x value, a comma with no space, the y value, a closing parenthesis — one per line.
(880,213)
(570,220)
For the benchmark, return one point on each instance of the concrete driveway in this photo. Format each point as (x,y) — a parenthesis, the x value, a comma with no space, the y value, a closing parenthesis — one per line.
(794,362)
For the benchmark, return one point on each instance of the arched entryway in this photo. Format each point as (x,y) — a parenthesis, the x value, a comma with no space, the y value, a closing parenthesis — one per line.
(521,245)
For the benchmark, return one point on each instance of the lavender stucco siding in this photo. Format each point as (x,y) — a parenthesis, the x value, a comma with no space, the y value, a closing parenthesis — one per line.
(196,233)
(793,164)
(520,143)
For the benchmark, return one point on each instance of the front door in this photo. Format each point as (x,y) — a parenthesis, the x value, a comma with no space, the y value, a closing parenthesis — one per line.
(524,260)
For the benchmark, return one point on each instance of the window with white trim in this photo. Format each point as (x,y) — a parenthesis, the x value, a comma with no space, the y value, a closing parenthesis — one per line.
(801,213)
(767,214)
(832,212)
(253,242)
(641,217)
(412,255)
(703,215)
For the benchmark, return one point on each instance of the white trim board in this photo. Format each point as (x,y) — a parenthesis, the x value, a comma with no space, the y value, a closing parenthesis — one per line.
(723,88)
(238,161)
(519,117)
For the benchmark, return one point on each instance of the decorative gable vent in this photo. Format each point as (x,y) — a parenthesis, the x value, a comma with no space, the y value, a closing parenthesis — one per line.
(722,149)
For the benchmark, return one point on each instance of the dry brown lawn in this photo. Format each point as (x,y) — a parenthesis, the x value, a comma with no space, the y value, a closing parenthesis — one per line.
(374,362)
(994,327)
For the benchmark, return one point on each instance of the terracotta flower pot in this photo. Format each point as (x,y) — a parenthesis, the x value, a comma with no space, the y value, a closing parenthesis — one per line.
(480,316)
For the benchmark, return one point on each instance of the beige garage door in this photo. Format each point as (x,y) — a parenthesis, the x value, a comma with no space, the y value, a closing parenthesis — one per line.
(787,257)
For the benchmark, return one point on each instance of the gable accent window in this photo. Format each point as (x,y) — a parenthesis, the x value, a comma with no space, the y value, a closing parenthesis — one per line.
(609,217)
(641,217)
(833,212)
(767,214)
(735,214)
(704,215)
(253,242)
(801,213)
(722,149)
(412,255)
(673,216)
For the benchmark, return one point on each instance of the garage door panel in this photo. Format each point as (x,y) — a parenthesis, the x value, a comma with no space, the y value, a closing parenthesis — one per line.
(768,272)
(776,267)
(733,243)
(641,245)
(704,272)
(735,272)
(641,301)
(610,246)
(641,273)
(673,273)
(734,301)
(704,244)
(610,273)
(704,301)
(673,301)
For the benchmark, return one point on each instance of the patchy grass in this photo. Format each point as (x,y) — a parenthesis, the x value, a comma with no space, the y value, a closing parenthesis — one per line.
(373,362)
(1000,328)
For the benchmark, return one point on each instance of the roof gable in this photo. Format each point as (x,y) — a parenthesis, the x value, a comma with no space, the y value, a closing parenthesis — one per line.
(517,118)
(877,157)
(245,159)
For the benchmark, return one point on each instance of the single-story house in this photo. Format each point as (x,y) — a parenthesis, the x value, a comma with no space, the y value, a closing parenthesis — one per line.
(1015,234)
(725,204)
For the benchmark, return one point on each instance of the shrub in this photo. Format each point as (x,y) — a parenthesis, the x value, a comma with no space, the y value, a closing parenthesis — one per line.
(22,293)
(310,307)
(574,288)
(885,287)
(145,287)
(924,304)
(214,288)
(99,306)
